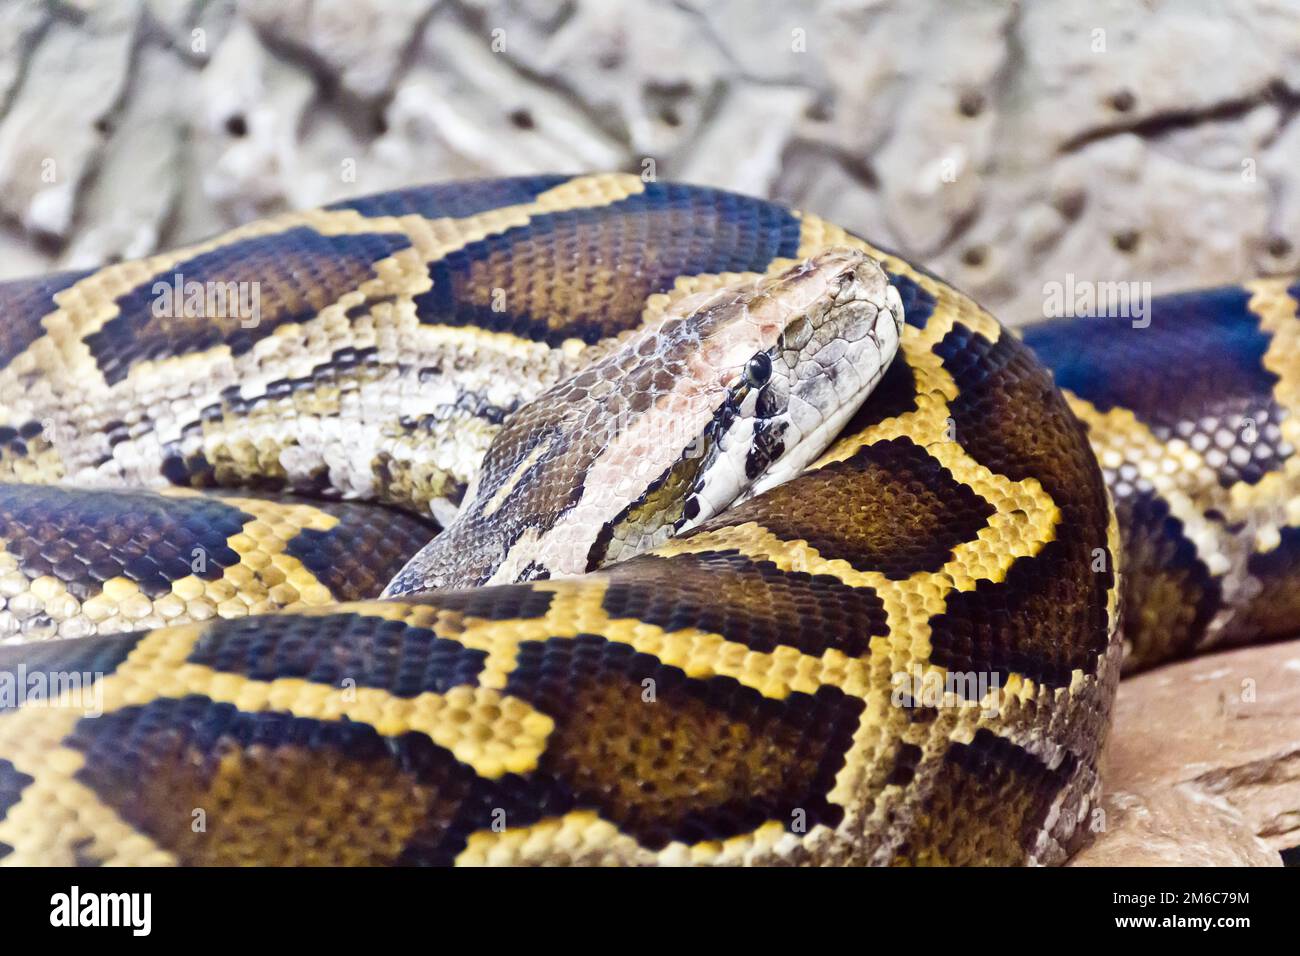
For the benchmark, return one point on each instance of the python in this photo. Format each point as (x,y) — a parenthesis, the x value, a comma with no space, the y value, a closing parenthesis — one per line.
(976,514)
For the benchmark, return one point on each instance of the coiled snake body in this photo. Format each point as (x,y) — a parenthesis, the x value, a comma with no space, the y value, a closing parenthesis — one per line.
(907,653)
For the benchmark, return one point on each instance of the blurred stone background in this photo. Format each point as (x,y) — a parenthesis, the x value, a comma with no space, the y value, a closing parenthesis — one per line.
(1004,144)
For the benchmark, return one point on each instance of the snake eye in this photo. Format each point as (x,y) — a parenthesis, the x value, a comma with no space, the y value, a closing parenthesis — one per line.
(759,370)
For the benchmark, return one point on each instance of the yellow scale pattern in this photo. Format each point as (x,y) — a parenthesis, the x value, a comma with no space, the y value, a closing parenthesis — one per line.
(59,819)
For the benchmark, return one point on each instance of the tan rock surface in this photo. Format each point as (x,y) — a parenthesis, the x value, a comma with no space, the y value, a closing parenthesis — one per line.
(1203,764)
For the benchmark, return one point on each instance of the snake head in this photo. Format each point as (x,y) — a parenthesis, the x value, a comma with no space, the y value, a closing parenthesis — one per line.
(730,391)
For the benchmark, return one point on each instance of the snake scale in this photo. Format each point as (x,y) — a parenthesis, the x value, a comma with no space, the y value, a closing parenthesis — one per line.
(755,688)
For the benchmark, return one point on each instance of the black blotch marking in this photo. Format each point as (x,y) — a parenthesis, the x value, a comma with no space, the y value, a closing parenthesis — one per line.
(58,661)
(894,396)
(296,274)
(146,761)
(23,303)
(753,603)
(454,200)
(84,538)
(503,603)
(708,759)
(1048,617)
(12,784)
(1200,359)
(918,304)
(357,557)
(403,660)
(847,510)
(575,287)
(906,759)
(1165,579)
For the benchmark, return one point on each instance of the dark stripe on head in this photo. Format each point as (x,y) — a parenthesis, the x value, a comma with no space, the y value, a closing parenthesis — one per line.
(766,448)
(668,501)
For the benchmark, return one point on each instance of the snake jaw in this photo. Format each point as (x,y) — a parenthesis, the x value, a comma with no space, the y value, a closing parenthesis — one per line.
(825,364)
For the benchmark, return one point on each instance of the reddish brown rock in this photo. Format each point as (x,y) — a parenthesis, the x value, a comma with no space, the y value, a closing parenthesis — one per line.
(1203,764)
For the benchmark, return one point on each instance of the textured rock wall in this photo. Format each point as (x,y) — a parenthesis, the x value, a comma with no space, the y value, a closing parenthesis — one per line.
(1005,144)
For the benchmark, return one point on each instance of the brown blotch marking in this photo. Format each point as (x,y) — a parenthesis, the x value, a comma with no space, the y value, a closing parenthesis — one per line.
(357,557)
(706,759)
(1049,616)
(889,508)
(512,602)
(1169,595)
(86,537)
(281,790)
(23,303)
(753,603)
(59,661)
(395,656)
(983,804)
(561,276)
(297,273)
